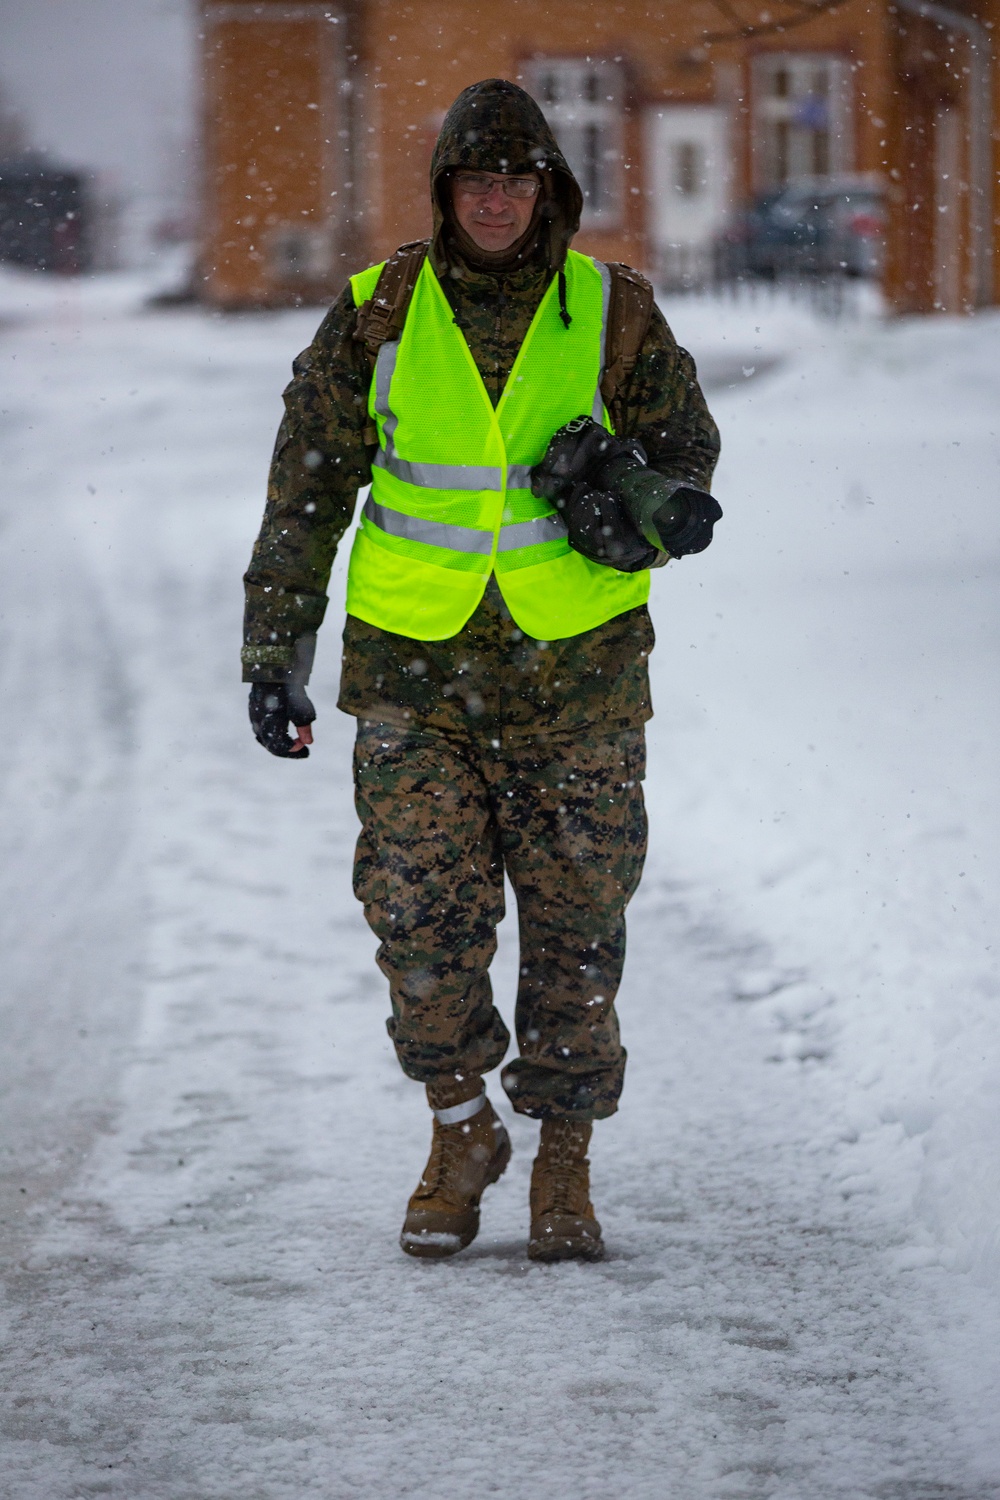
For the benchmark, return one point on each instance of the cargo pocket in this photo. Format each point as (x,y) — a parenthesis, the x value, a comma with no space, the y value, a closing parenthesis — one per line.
(634,744)
(636,826)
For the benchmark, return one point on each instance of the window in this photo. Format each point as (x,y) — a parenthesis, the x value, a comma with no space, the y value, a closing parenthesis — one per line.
(801,117)
(296,253)
(582,102)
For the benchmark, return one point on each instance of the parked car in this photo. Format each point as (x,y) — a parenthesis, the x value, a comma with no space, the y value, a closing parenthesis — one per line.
(815,226)
(44,217)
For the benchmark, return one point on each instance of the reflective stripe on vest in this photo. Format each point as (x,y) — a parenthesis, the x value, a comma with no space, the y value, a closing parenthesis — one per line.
(451,500)
(513,536)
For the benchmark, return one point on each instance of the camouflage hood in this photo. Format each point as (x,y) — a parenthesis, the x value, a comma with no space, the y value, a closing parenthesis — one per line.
(494,126)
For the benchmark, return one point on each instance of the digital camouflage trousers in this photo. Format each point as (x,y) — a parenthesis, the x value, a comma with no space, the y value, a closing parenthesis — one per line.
(442,818)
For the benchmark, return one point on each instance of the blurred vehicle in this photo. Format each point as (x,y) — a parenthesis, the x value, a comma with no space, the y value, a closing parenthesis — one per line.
(43,216)
(815,226)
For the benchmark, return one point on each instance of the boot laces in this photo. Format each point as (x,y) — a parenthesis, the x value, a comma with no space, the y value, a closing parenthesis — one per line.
(446,1169)
(570,1188)
(566,1171)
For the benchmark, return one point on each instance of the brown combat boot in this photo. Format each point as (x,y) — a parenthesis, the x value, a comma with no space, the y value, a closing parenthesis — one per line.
(563,1226)
(468,1152)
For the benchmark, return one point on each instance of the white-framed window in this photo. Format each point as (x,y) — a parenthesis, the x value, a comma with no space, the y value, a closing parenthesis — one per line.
(583,102)
(802,118)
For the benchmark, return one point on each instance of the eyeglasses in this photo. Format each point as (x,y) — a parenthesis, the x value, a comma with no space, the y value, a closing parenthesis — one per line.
(477,185)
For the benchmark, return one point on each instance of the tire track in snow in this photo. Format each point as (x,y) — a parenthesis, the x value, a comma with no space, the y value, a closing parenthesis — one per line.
(68,903)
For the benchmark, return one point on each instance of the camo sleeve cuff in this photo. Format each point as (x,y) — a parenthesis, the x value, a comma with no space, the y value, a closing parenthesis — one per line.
(274,620)
(267,663)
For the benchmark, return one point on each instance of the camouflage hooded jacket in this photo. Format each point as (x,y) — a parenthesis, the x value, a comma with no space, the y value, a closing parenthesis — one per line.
(489,676)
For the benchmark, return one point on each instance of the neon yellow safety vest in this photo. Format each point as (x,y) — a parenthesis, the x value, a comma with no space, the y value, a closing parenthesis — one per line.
(451,497)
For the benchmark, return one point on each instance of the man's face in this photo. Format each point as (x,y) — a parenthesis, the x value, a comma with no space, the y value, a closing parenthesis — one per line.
(494,210)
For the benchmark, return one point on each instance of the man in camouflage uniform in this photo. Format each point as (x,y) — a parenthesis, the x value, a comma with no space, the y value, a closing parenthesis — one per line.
(490,750)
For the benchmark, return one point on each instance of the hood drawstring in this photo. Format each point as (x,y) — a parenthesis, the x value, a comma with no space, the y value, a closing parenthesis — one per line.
(563,310)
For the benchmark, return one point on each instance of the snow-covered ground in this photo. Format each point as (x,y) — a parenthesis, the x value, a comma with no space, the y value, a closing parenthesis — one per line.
(206,1143)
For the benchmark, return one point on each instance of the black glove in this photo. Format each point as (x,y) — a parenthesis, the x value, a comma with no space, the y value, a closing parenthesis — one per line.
(598,524)
(273,706)
(668,514)
(574,454)
(601,528)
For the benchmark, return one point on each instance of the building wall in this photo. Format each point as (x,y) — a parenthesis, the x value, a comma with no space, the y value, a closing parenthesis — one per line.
(321,118)
(420,56)
(940,260)
(274,158)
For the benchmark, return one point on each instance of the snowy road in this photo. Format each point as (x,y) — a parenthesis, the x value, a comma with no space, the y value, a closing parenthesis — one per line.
(207,1143)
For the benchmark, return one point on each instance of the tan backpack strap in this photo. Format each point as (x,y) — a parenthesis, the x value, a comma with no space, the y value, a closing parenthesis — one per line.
(630,307)
(381,318)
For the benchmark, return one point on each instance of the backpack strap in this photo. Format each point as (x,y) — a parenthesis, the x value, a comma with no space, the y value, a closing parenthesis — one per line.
(630,308)
(381,318)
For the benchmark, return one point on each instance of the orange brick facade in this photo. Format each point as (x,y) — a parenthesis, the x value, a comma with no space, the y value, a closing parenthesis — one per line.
(319,121)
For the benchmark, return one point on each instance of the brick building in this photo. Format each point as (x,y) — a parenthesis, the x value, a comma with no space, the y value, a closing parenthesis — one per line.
(320,116)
